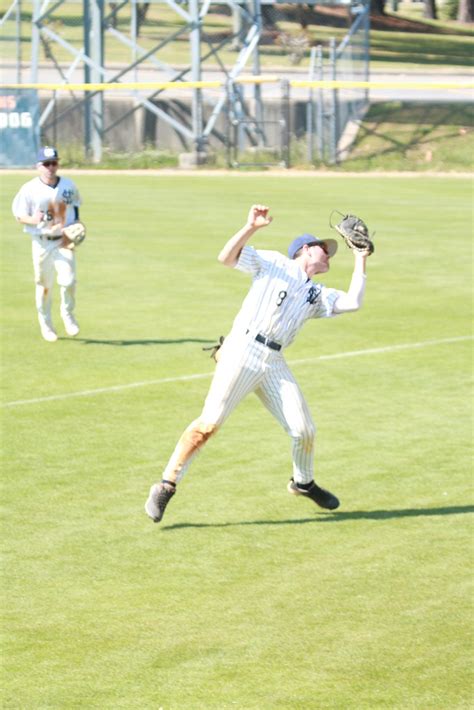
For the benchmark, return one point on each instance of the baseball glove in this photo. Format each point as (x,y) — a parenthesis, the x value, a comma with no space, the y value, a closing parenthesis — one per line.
(75,232)
(355,233)
(214,349)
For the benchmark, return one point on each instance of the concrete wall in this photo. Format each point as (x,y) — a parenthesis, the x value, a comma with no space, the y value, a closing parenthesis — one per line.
(130,127)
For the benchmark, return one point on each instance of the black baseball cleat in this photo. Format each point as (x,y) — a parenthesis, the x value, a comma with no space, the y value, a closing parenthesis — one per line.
(320,496)
(159,497)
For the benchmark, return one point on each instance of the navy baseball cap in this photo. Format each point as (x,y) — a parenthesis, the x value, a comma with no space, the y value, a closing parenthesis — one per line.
(47,152)
(330,244)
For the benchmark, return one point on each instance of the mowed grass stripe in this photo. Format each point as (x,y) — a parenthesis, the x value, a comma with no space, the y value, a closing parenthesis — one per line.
(202,375)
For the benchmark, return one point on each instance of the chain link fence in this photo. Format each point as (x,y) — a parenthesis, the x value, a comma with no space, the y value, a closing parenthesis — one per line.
(333,115)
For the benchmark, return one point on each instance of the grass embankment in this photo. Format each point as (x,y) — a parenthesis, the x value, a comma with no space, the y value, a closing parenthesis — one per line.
(399,40)
(419,137)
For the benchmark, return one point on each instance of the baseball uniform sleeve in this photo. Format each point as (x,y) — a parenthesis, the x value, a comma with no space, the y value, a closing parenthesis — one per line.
(324,306)
(249,261)
(21,205)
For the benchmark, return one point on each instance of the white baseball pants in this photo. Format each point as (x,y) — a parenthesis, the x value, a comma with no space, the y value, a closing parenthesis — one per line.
(248,366)
(49,259)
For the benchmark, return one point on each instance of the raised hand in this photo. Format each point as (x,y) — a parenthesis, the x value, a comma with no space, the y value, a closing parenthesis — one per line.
(258,216)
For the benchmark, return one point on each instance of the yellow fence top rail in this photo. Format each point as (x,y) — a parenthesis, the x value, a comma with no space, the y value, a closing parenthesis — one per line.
(418,85)
(295,83)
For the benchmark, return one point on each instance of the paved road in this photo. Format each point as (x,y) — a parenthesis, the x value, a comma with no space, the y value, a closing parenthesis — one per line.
(429,95)
(48,74)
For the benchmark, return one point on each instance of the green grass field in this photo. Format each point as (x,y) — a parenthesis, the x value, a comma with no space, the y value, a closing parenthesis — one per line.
(244,597)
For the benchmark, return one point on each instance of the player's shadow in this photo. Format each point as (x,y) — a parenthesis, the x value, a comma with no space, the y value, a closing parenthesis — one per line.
(142,341)
(339,517)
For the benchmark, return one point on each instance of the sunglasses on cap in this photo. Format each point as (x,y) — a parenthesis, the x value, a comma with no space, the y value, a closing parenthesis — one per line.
(49,163)
(321,245)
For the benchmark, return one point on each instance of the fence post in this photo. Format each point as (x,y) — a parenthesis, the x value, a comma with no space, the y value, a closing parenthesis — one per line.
(134,37)
(87,79)
(94,49)
(35,42)
(320,104)
(285,122)
(195,43)
(18,41)
(334,129)
(310,109)
(257,91)
(367,47)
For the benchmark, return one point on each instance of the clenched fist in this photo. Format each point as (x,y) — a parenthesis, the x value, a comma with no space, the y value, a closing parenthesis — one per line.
(258,216)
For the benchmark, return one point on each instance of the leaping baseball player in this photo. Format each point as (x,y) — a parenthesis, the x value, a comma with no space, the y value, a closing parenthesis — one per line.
(282,297)
(46,205)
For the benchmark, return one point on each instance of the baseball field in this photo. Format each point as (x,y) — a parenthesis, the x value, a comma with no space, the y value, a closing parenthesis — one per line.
(244,597)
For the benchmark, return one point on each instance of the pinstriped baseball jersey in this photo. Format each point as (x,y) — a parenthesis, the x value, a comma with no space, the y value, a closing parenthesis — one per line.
(37,195)
(280,300)
(59,203)
(281,297)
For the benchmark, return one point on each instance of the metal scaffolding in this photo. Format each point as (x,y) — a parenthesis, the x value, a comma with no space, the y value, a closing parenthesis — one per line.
(98,23)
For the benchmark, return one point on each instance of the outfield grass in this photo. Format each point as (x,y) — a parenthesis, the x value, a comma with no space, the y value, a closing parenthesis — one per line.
(244,597)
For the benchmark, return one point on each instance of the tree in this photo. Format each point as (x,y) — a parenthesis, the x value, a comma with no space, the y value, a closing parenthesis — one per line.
(466,11)
(268,16)
(377,7)
(430,10)
(142,9)
(113,15)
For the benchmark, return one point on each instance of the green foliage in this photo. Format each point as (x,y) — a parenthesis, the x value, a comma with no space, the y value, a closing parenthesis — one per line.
(449,9)
(147,158)
(72,156)
(244,597)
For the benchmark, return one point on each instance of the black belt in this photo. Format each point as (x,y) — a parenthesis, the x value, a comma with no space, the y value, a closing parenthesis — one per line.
(52,239)
(269,343)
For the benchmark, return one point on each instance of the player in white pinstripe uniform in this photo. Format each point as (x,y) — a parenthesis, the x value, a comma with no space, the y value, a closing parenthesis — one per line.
(44,205)
(282,297)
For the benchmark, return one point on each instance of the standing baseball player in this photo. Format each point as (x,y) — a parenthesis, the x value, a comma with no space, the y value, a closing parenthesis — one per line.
(282,297)
(45,205)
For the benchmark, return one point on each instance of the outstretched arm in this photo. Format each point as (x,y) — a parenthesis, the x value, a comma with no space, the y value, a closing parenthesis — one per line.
(352,300)
(258,217)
